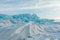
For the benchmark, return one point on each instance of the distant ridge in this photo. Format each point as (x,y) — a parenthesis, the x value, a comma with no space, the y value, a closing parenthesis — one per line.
(25,18)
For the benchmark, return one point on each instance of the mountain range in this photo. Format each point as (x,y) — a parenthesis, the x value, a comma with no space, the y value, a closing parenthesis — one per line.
(28,27)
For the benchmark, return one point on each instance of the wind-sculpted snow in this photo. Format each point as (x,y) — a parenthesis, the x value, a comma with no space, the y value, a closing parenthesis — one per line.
(28,27)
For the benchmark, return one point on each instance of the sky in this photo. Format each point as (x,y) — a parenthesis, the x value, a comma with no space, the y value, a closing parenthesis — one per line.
(49,9)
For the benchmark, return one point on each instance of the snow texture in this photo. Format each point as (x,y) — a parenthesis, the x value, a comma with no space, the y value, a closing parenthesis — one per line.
(28,27)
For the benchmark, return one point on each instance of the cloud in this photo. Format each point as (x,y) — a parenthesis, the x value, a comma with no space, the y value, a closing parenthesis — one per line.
(11,5)
(27,4)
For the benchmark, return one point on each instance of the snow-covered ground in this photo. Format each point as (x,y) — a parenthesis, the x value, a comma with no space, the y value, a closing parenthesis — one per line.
(28,27)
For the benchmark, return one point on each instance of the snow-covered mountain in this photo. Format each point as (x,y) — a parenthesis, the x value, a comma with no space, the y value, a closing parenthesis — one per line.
(28,27)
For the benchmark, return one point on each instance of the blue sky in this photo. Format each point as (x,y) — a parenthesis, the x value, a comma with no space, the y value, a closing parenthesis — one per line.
(43,8)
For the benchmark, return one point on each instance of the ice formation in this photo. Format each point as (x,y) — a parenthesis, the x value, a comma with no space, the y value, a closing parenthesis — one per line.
(28,27)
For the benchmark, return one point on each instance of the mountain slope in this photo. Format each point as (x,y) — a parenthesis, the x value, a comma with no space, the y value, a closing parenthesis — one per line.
(26,31)
(27,26)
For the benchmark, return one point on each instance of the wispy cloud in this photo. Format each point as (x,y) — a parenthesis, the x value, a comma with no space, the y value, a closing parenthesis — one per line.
(26,4)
